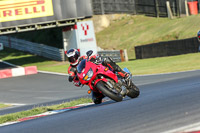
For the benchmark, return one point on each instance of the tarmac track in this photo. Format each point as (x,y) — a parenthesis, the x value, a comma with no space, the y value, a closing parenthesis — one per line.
(166,102)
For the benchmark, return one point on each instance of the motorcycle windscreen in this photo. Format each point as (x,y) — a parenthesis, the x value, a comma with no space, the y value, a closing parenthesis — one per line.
(81,66)
(126,70)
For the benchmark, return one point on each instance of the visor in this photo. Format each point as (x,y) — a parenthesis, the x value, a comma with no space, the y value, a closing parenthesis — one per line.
(72,59)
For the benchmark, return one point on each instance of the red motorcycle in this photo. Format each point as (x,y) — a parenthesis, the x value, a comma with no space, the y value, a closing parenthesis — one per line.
(102,80)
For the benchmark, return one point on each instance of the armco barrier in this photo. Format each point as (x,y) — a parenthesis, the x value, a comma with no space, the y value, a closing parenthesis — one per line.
(169,48)
(116,55)
(34,48)
(55,53)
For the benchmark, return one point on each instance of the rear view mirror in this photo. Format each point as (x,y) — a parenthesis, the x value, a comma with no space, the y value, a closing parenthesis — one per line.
(89,53)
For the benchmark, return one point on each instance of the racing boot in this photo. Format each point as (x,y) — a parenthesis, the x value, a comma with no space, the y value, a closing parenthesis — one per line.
(126,77)
(97,97)
(110,63)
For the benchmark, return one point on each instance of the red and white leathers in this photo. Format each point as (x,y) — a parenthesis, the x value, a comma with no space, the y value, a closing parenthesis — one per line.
(96,59)
(72,70)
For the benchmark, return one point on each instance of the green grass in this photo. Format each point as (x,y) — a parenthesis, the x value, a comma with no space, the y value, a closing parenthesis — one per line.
(4,106)
(131,31)
(39,110)
(164,64)
(127,32)
(137,67)
(24,59)
(122,34)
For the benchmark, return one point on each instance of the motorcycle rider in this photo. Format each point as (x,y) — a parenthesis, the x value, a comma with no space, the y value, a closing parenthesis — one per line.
(74,58)
(198,37)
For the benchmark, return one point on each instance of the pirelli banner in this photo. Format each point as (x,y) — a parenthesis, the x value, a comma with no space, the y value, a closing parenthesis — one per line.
(22,15)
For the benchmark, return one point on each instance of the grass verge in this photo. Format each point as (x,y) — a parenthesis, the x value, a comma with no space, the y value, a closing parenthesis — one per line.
(4,106)
(25,59)
(39,110)
(163,64)
(137,67)
(130,31)
(127,31)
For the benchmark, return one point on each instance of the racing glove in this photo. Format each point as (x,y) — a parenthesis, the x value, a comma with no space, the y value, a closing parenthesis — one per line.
(71,78)
(96,60)
(77,83)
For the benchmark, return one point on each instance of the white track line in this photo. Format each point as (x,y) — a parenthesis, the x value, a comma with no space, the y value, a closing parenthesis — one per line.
(55,73)
(188,128)
(165,73)
(48,113)
(15,104)
(9,63)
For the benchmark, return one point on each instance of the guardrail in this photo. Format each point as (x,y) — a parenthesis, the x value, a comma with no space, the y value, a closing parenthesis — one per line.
(55,53)
(116,55)
(34,48)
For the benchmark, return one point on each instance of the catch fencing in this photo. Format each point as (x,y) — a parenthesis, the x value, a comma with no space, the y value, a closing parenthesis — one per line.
(170,48)
(113,6)
(34,48)
(156,7)
(148,7)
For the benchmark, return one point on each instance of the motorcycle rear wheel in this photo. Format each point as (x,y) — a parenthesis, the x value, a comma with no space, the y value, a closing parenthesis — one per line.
(112,95)
(133,91)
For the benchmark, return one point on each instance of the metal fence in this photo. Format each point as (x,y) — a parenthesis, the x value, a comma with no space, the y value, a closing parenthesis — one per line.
(48,51)
(148,7)
(114,54)
(34,48)
(113,6)
(169,48)
(156,7)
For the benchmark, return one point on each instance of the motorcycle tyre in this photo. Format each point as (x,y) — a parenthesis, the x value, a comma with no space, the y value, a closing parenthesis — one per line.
(133,91)
(100,85)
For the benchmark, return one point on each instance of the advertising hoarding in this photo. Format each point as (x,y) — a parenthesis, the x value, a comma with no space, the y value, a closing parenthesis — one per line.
(26,15)
(81,36)
(86,37)
(25,9)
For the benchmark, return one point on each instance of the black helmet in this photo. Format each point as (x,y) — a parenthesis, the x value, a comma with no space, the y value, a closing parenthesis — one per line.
(198,35)
(73,56)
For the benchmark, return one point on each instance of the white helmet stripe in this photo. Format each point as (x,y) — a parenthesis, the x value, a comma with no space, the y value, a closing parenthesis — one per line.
(71,54)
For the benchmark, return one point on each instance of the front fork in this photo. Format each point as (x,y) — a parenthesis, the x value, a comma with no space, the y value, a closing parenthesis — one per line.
(125,84)
(129,82)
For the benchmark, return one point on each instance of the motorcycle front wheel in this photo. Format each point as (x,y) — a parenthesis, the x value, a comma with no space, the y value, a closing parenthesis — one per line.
(133,91)
(107,92)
